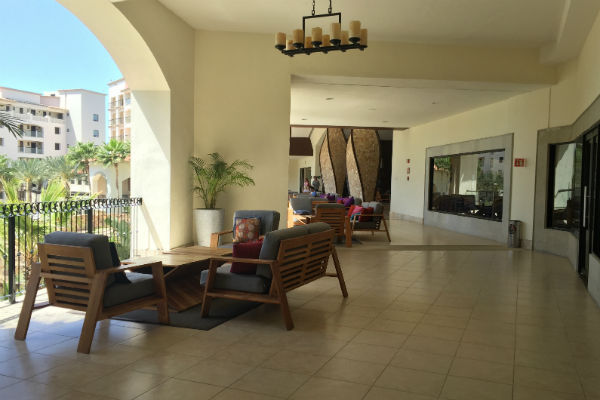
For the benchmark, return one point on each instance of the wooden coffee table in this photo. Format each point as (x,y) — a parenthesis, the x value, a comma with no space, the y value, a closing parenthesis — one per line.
(182,268)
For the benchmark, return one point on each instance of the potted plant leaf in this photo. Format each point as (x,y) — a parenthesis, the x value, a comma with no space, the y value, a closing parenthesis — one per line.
(211,178)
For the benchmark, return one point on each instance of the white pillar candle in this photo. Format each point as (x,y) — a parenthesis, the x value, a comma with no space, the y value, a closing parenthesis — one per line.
(290,45)
(354,29)
(280,39)
(364,36)
(298,36)
(308,43)
(317,34)
(336,30)
(326,41)
(345,37)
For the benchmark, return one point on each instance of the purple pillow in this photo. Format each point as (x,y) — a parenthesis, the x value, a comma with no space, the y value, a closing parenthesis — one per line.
(348,201)
(323,196)
(331,197)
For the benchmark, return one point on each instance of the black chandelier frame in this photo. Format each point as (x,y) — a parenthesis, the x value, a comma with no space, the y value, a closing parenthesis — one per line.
(336,44)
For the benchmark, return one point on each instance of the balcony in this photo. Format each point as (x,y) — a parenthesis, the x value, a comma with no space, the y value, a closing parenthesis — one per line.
(33,134)
(31,150)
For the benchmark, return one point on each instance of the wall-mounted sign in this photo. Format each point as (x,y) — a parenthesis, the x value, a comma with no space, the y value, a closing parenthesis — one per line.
(519,162)
(408,160)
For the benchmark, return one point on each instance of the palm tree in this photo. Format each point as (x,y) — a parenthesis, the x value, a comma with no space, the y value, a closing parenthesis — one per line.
(83,154)
(63,170)
(13,124)
(113,153)
(29,171)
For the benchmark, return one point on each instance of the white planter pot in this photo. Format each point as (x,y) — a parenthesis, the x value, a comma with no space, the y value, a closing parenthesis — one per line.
(207,222)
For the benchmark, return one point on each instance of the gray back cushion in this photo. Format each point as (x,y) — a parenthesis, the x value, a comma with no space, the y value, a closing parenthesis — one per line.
(357,201)
(270,247)
(301,203)
(269,219)
(377,206)
(98,244)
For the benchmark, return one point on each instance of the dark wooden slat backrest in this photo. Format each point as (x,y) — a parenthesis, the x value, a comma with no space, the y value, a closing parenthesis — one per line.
(335,217)
(304,259)
(69,265)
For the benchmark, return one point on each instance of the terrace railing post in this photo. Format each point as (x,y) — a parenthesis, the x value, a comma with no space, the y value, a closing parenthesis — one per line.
(11,259)
(90,220)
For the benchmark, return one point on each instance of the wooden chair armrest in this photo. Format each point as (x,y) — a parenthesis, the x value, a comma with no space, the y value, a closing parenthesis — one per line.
(127,266)
(215,238)
(243,260)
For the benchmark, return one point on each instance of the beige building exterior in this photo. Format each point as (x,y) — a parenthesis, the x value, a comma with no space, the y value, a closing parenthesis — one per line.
(119,110)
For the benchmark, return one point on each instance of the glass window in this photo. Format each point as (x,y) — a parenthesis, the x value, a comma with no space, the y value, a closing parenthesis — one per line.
(96,133)
(96,117)
(56,130)
(468,184)
(565,185)
(56,146)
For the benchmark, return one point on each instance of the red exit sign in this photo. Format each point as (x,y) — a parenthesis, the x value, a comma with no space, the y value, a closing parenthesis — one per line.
(519,162)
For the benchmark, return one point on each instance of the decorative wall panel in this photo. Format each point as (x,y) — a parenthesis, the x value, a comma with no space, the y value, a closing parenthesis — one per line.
(362,160)
(333,161)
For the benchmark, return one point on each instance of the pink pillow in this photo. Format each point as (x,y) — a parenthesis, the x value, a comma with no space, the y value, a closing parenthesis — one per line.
(356,210)
(245,250)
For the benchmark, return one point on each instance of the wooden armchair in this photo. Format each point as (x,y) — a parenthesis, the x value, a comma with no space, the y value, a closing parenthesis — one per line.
(78,278)
(269,221)
(289,258)
(335,215)
(374,222)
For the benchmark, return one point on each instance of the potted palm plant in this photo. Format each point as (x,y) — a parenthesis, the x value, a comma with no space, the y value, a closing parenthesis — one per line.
(211,178)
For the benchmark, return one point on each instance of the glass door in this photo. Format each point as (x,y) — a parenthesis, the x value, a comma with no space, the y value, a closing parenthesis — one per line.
(590,221)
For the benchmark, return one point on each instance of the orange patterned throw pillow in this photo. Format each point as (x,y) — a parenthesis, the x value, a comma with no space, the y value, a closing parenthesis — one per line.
(246,230)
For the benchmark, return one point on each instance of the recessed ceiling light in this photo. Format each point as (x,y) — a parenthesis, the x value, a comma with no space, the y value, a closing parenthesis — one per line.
(385,122)
(434,102)
(329,98)
(372,109)
(304,119)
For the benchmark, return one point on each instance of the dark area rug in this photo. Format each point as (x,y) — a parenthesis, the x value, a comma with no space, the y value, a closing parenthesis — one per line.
(221,310)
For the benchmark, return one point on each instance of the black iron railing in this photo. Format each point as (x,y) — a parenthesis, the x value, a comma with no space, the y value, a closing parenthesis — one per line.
(23,226)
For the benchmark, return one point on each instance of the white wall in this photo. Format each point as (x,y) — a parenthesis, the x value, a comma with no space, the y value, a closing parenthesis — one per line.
(560,104)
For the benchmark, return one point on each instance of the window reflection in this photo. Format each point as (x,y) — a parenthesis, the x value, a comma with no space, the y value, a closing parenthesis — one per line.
(468,184)
(566,190)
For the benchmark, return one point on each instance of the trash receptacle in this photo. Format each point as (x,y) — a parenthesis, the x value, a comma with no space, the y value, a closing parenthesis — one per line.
(514,233)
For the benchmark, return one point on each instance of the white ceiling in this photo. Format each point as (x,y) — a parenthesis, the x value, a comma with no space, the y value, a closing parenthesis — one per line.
(518,23)
(392,103)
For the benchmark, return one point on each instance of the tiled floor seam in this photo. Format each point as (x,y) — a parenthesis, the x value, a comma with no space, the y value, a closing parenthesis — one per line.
(439,396)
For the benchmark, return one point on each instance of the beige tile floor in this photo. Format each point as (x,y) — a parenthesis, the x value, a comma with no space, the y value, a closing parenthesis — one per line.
(468,324)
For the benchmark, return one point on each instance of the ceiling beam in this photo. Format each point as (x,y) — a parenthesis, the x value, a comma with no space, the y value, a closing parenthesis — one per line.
(576,20)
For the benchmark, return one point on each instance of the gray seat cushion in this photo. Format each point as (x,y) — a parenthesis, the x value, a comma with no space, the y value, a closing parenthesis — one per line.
(269,219)
(98,244)
(225,280)
(364,225)
(118,293)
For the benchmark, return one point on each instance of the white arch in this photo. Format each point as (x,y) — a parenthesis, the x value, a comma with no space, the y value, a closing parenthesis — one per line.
(124,43)
(154,50)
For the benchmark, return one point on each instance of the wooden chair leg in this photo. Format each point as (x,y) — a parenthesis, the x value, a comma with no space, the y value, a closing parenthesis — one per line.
(161,290)
(348,233)
(283,303)
(92,314)
(29,302)
(387,232)
(206,299)
(339,273)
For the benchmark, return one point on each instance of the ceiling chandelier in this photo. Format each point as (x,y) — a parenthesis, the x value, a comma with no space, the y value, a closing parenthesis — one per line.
(355,38)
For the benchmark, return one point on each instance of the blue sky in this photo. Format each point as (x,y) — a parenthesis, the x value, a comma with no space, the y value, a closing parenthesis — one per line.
(44,47)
